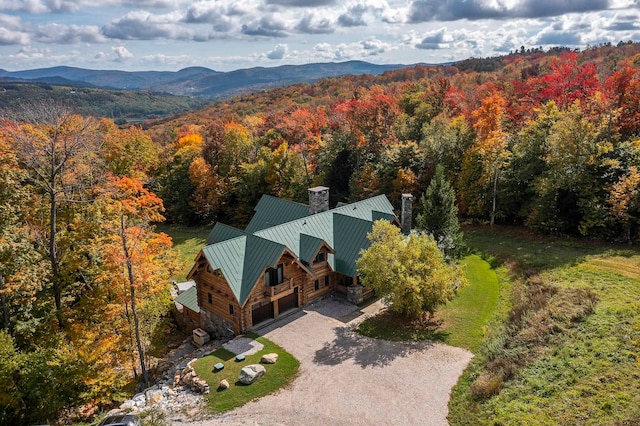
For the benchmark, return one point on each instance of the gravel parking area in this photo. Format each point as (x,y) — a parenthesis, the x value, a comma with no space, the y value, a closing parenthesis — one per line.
(348,379)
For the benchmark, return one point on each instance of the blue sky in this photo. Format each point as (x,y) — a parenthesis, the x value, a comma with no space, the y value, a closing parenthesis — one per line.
(224,35)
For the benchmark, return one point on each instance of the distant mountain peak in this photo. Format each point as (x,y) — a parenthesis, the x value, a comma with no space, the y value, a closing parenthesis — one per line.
(202,81)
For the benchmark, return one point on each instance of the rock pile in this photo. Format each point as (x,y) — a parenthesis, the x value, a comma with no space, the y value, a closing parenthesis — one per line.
(152,396)
(186,390)
(189,377)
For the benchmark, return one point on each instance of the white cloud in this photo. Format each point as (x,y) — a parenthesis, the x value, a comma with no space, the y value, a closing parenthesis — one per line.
(434,40)
(10,31)
(39,6)
(279,52)
(315,23)
(11,37)
(122,54)
(142,25)
(345,51)
(68,34)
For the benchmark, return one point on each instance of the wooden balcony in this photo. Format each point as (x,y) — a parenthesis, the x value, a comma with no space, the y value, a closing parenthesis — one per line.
(275,291)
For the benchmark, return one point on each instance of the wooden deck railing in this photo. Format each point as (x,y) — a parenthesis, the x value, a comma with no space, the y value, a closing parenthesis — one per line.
(282,287)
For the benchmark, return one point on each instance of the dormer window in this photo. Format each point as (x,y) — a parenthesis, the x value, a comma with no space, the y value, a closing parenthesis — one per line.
(320,257)
(274,276)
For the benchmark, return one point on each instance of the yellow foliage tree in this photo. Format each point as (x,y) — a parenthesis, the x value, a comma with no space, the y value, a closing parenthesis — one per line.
(624,200)
(409,273)
(189,140)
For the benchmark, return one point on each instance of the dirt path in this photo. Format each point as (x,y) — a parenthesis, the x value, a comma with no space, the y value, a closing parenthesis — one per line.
(348,379)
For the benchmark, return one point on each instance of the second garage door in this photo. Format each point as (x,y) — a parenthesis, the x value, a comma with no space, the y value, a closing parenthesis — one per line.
(288,302)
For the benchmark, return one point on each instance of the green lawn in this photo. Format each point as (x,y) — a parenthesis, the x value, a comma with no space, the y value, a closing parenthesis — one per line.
(461,322)
(278,375)
(565,351)
(187,242)
(467,314)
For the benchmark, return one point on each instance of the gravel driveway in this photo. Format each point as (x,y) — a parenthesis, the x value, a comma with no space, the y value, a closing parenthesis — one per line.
(348,379)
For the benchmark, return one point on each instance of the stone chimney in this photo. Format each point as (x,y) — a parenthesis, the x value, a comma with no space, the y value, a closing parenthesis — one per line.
(407,209)
(318,199)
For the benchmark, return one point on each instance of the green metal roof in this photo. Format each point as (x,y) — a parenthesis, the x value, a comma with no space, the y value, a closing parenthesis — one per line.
(242,260)
(321,226)
(364,209)
(222,232)
(309,247)
(242,257)
(350,236)
(375,215)
(272,211)
(189,299)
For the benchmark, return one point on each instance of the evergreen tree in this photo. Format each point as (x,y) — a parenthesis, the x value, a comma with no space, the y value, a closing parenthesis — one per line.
(439,215)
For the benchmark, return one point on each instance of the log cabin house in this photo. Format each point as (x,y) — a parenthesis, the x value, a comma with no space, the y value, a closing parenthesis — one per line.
(289,255)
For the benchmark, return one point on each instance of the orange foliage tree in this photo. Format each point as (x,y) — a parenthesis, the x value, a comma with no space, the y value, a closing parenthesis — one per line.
(136,261)
(491,142)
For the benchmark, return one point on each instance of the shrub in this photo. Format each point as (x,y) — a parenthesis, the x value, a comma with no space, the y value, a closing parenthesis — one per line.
(487,385)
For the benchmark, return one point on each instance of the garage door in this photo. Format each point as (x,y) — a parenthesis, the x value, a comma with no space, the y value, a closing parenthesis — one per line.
(261,313)
(288,302)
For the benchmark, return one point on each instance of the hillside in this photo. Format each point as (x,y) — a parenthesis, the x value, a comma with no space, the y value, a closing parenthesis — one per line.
(120,105)
(200,81)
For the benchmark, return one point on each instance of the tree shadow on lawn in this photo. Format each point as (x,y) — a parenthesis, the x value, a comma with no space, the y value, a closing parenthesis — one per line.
(365,351)
(533,251)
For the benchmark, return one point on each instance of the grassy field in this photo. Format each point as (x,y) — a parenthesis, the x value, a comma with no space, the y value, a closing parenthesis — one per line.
(563,348)
(461,322)
(278,375)
(187,241)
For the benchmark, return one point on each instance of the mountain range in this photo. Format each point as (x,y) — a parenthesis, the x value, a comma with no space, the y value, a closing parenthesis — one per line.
(195,81)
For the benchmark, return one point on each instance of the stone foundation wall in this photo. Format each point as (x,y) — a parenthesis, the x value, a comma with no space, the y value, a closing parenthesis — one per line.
(184,321)
(214,325)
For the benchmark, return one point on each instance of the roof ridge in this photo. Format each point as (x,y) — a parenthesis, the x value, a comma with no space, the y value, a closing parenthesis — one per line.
(333,210)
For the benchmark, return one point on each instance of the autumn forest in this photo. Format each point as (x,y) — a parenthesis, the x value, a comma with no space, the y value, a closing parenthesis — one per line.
(549,141)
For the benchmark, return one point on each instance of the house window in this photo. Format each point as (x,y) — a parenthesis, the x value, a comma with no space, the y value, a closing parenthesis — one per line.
(320,257)
(209,297)
(326,281)
(274,276)
(231,309)
(316,284)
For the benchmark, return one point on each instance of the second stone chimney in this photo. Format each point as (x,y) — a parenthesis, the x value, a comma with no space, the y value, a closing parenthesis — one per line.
(407,211)
(318,199)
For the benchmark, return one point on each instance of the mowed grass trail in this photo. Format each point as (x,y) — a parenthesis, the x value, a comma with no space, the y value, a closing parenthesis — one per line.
(569,353)
(187,242)
(464,318)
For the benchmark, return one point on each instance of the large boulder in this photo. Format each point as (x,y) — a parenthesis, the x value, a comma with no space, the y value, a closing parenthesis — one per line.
(251,373)
(271,358)
(224,384)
